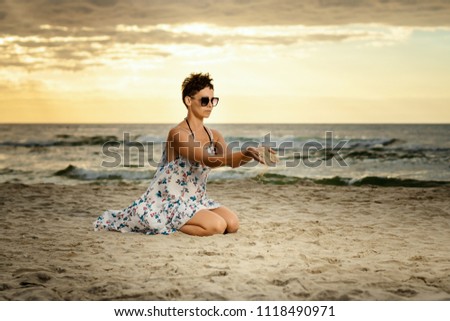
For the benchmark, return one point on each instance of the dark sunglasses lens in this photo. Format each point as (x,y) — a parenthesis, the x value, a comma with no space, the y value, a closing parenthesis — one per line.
(204,101)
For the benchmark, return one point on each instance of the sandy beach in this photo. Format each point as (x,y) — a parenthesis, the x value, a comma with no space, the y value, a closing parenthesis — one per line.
(296,242)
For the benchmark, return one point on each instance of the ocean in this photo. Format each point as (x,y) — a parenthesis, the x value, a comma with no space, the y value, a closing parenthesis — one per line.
(337,154)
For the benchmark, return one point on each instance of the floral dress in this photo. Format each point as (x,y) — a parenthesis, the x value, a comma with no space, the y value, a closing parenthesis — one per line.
(176,192)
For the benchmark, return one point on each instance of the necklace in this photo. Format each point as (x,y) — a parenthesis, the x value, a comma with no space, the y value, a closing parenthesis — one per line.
(212,147)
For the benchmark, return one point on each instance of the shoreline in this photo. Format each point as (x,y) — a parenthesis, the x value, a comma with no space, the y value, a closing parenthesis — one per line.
(296,242)
(263,178)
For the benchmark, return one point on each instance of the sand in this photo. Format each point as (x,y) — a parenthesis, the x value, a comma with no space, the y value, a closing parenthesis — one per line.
(296,242)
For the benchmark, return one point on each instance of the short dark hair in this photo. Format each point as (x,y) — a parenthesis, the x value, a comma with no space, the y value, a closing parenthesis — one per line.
(194,83)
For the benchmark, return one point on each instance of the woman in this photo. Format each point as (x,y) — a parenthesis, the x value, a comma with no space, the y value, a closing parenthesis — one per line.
(176,198)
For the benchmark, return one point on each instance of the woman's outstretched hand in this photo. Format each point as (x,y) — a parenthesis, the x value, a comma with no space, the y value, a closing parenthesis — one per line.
(254,153)
(263,155)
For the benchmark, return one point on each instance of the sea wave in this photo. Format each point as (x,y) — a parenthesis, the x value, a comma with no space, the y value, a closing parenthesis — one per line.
(62,140)
(11,171)
(372,143)
(288,147)
(86,174)
(80,173)
(278,179)
(368,153)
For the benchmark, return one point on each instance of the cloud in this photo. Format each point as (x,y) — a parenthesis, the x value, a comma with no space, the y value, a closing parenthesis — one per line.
(74,49)
(104,13)
(73,35)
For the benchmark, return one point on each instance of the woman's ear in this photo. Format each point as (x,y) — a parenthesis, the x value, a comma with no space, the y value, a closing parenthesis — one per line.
(187,101)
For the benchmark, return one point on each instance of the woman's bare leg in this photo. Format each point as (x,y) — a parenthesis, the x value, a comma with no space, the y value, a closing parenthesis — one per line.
(205,223)
(230,217)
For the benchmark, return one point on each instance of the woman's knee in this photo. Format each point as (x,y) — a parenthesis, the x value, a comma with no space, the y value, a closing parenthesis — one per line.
(230,218)
(217,226)
(232,225)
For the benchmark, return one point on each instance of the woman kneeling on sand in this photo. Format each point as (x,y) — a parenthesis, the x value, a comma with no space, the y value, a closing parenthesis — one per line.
(176,198)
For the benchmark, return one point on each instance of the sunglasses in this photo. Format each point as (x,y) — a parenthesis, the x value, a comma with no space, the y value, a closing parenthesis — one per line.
(204,101)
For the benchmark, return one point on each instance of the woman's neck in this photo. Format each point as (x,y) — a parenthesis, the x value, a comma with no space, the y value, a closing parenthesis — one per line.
(195,122)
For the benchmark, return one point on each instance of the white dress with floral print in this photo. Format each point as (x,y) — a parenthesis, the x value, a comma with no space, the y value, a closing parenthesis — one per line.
(175,194)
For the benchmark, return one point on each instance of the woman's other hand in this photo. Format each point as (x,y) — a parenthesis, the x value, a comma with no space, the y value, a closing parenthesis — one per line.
(254,153)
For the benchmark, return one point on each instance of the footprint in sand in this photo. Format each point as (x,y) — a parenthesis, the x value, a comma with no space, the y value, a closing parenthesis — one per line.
(408,293)
(30,279)
(208,253)
(218,273)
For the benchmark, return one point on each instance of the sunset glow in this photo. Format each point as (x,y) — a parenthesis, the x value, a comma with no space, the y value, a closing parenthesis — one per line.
(367,67)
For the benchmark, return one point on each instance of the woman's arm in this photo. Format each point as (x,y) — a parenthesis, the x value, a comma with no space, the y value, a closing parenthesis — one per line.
(183,144)
(237,158)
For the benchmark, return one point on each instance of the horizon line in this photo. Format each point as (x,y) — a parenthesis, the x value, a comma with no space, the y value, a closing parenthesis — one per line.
(264,123)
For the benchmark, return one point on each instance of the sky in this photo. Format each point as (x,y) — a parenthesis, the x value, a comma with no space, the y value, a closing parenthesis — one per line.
(272,61)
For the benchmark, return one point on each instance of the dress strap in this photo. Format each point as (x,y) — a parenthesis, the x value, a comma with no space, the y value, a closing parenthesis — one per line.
(207,131)
(210,134)
(189,127)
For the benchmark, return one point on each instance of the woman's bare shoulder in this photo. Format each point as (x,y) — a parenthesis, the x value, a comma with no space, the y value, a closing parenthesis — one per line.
(179,130)
(216,133)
